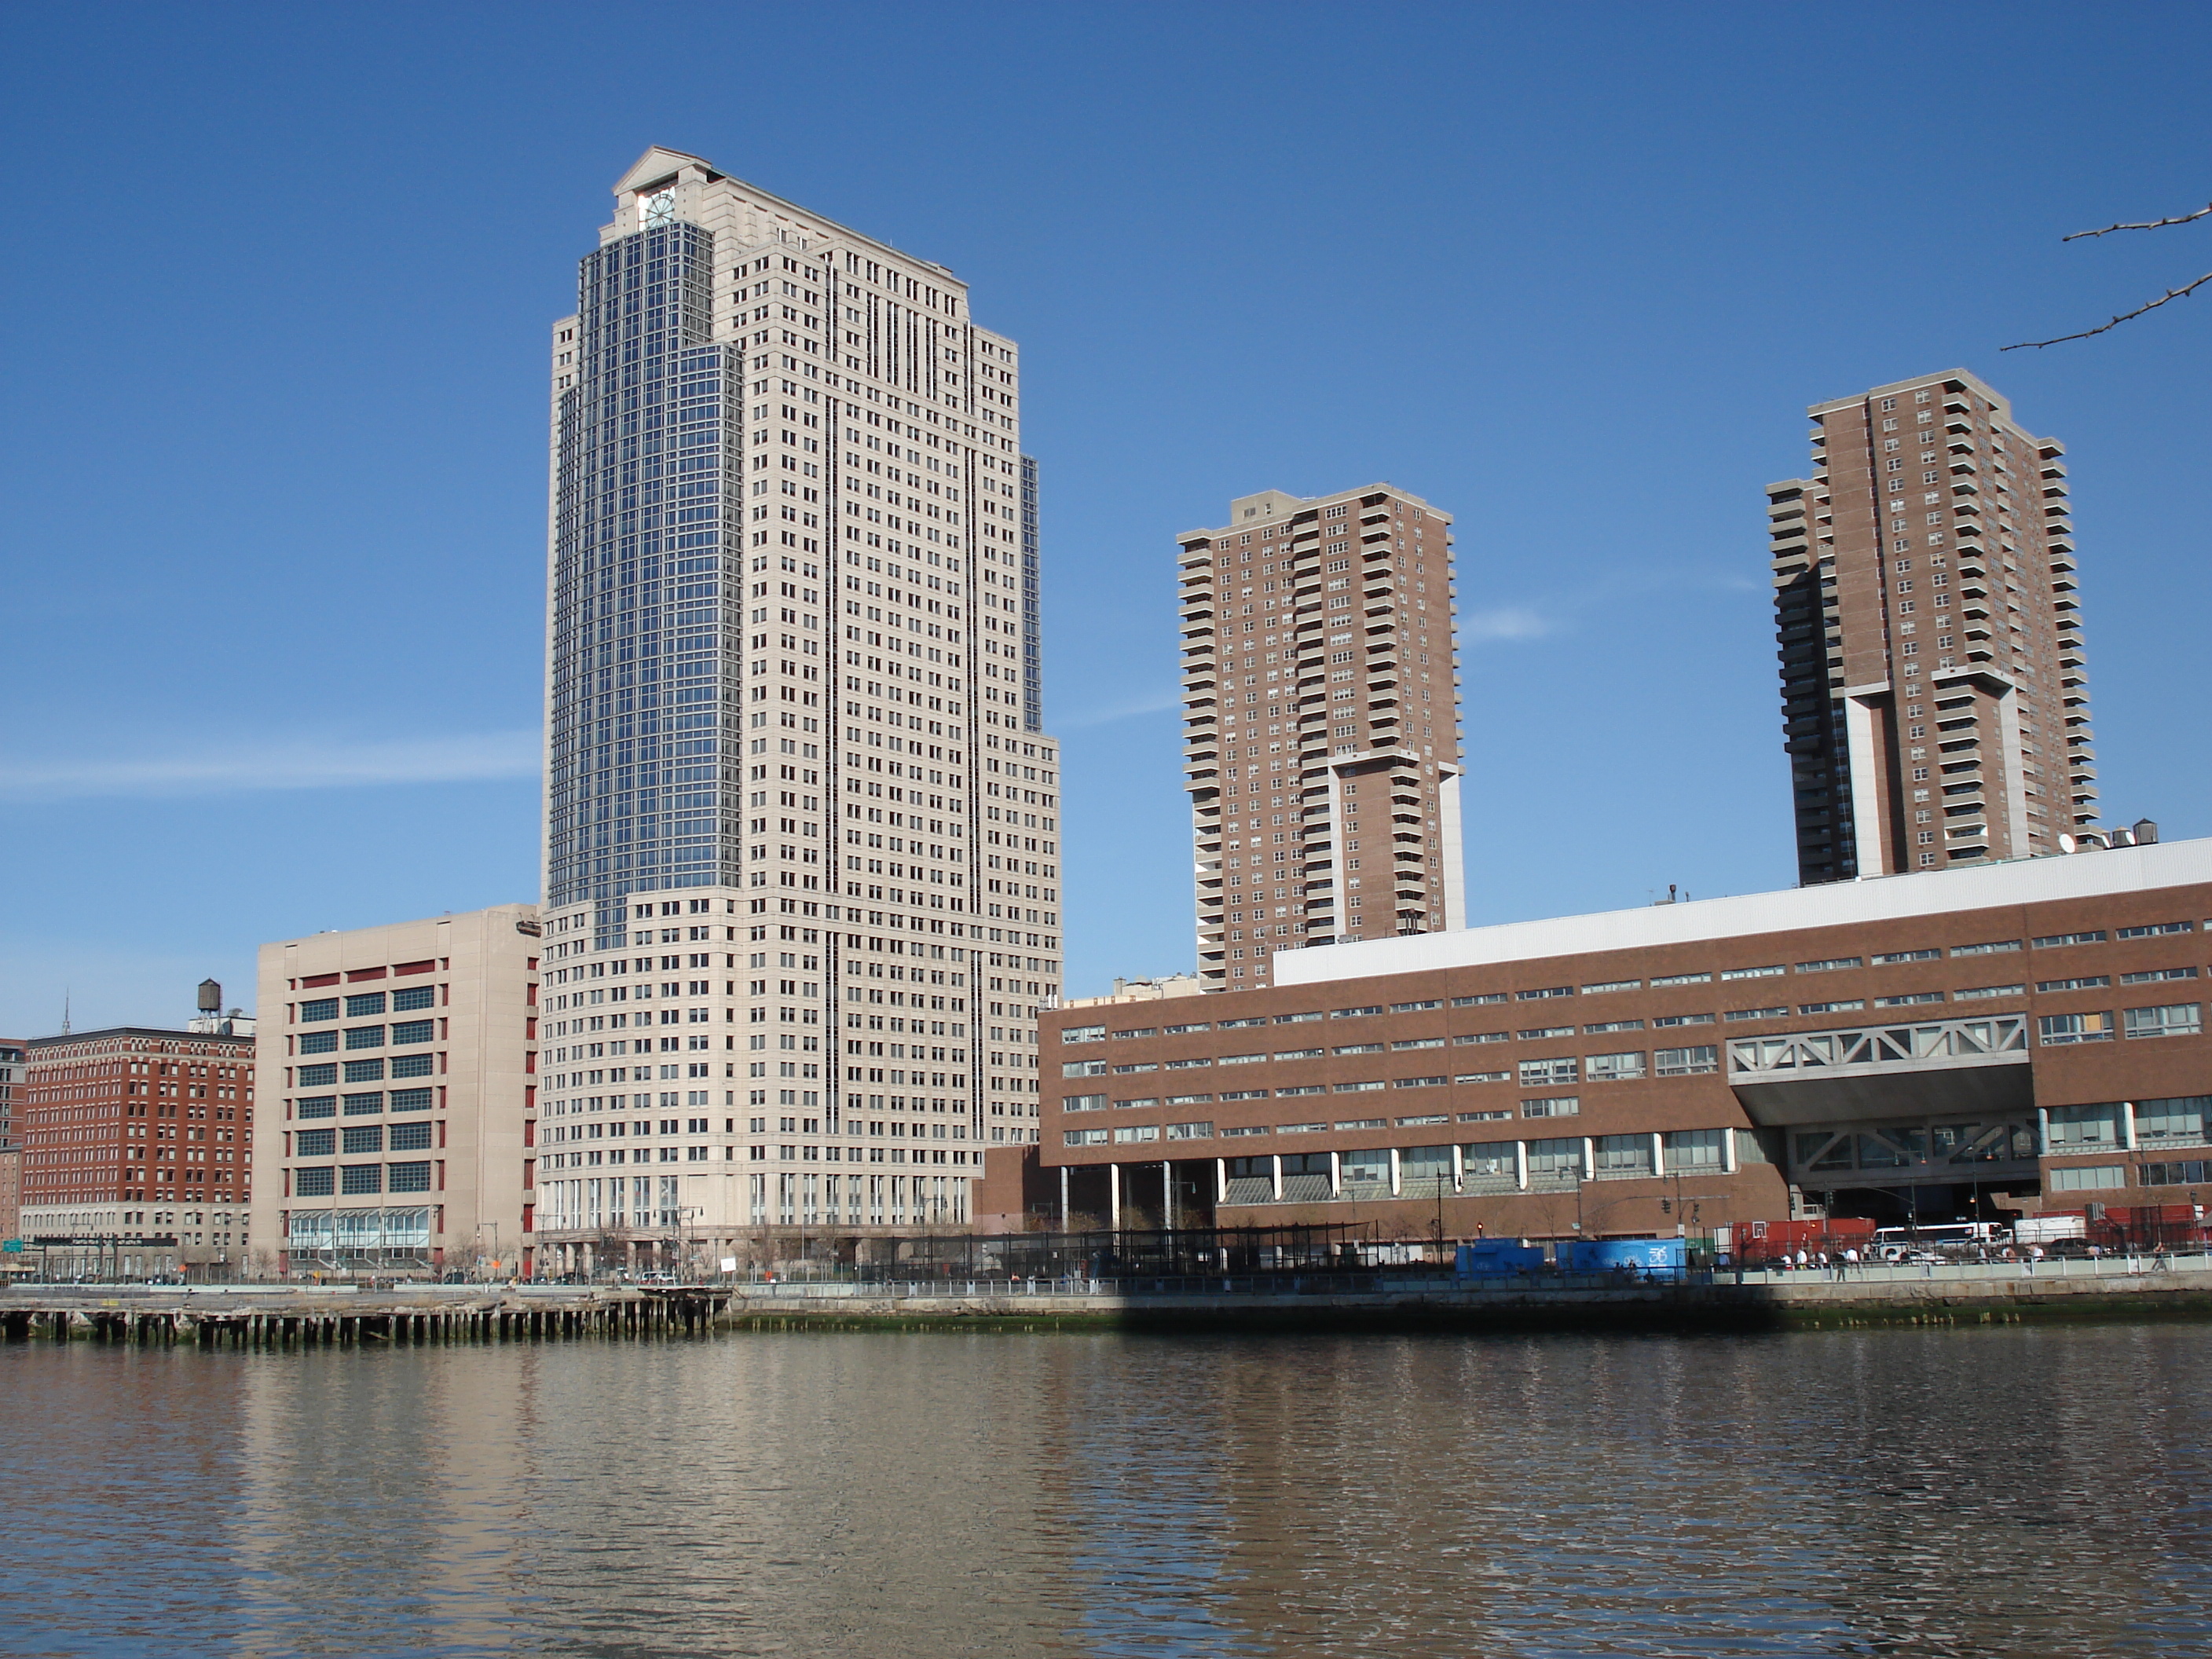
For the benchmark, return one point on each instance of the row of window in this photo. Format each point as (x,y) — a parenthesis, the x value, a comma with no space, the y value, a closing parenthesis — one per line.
(365,1071)
(363,1137)
(321,1181)
(366,1104)
(401,1034)
(369,1003)
(1480,1166)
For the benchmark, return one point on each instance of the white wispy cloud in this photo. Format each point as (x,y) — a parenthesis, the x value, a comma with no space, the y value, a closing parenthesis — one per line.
(1512,621)
(277,763)
(1155,702)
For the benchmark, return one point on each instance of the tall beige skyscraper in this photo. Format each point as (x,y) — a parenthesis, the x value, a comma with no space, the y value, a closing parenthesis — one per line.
(1320,706)
(802,827)
(1934,694)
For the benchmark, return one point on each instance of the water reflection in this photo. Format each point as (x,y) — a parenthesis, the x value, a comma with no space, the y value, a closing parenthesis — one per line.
(1998,1492)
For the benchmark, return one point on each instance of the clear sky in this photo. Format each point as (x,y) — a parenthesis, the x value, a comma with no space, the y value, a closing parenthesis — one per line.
(273,396)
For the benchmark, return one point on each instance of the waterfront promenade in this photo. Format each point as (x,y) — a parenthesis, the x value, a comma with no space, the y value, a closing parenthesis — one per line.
(2125,1287)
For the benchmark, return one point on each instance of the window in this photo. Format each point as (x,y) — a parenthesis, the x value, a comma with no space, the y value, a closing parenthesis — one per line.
(2153,929)
(1612,1025)
(1993,948)
(410,1065)
(1764,1013)
(1990,991)
(1542,1074)
(1914,999)
(2192,1172)
(1753,973)
(411,1137)
(2053,1030)
(2151,976)
(1473,1001)
(1687,1062)
(315,1143)
(317,1106)
(1622,1155)
(361,1178)
(414,1031)
(1083,1103)
(362,1071)
(1190,1131)
(364,1138)
(1134,1132)
(1890,958)
(2093,1179)
(1085,1137)
(365,1006)
(322,1008)
(409,1177)
(1695,1148)
(1659,979)
(1554,1162)
(1828,965)
(2178,1122)
(363,1105)
(1084,1068)
(410,1100)
(2084,1128)
(319,1042)
(1681,1020)
(420,996)
(2177,1019)
(1549,991)
(1555,1106)
(1084,1033)
(365,1036)
(1612,984)
(312,1184)
(2051,941)
(318,1077)
(2094,981)
(1613,1068)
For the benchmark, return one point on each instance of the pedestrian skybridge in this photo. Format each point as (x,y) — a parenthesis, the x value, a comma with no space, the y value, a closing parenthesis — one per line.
(1903,1071)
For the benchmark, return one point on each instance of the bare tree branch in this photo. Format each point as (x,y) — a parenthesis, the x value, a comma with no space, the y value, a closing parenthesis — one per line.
(2171,294)
(2155,224)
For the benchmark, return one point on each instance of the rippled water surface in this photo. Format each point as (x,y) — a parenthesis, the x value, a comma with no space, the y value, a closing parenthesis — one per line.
(1983,1491)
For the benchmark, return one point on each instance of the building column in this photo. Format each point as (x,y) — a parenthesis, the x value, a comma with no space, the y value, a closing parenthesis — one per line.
(1728,1150)
(1335,1175)
(1589,1158)
(1220,1185)
(1114,1196)
(1063,1197)
(1658,1153)
(2042,1131)
(1458,1168)
(1397,1175)
(1521,1164)
(1276,1160)
(1167,1194)
(2127,1124)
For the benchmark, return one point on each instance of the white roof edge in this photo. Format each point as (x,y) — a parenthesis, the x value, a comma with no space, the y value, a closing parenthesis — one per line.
(1880,898)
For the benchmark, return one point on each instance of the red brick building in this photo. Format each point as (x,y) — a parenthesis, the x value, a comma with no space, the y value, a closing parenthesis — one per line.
(132,1133)
(2027,1033)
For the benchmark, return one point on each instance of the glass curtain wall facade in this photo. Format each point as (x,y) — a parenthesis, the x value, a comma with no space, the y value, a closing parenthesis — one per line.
(645,584)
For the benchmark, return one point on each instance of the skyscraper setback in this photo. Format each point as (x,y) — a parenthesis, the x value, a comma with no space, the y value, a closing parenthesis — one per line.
(1321,727)
(802,841)
(1934,689)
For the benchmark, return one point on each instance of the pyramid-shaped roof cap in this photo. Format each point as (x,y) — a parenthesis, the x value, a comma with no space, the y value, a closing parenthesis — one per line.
(657,163)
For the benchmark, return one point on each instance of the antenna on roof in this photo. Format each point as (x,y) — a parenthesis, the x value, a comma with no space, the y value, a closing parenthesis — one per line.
(65,1011)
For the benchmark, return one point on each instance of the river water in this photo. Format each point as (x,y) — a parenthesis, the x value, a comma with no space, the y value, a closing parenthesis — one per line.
(1999,1490)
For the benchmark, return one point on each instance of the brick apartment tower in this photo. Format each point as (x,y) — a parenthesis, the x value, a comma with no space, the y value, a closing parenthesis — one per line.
(1321,722)
(1934,698)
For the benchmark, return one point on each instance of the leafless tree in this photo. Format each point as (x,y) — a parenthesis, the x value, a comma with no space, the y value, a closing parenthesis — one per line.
(2127,316)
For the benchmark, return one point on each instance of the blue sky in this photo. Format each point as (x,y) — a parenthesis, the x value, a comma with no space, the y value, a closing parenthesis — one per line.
(271,396)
